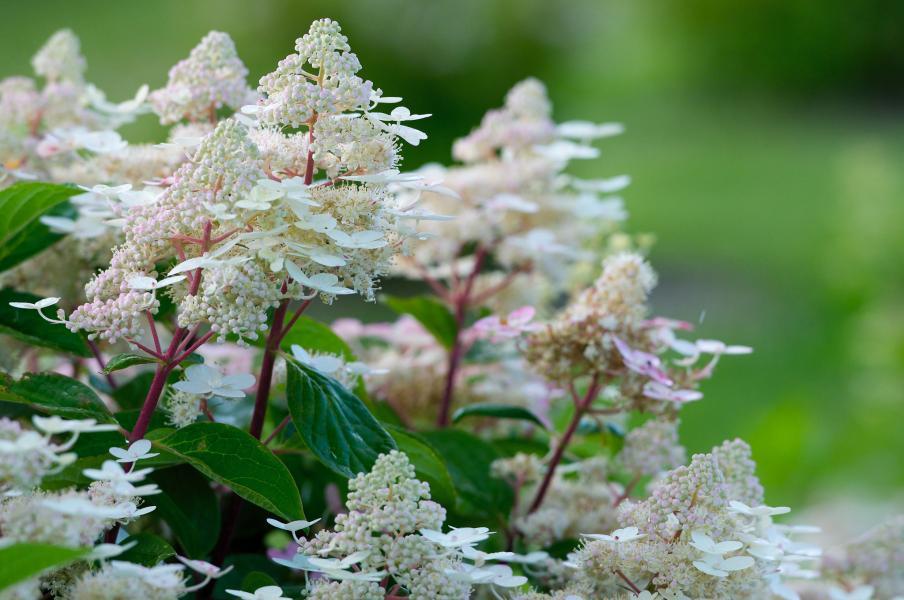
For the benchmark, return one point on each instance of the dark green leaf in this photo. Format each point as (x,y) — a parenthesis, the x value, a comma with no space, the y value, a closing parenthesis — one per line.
(468,459)
(28,326)
(126,360)
(256,580)
(234,458)
(431,313)
(131,394)
(149,549)
(57,395)
(334,423)
(190,507)
(21,234)
(428,464)
(19,562)
(514,445)
(499,411)
(242,565)
(314,336)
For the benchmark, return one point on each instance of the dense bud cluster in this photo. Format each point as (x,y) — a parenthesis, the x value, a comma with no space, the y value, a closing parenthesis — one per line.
(211,77)
(581,339)
(517,203)
(292,95)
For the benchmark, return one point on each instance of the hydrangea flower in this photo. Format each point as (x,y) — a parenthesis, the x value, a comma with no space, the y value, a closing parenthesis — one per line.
(204,380)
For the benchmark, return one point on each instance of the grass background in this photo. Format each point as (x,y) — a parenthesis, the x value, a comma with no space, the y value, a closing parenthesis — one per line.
(764,140)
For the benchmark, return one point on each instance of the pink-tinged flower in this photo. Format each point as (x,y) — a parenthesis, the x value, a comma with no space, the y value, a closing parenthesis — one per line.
(666,323)
(658,391)
(496,328)
(641,362)
(692,352)
(715,347)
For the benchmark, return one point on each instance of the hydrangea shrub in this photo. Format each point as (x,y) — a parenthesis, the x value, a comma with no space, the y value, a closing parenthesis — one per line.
(173,425)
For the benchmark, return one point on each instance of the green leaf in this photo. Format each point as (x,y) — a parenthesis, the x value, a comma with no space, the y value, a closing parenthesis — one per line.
(126,360)
(428,464)
(21,233)
(57,395)
(234,458)
(28,326)
(244,564)
(22,561)
(149,549)
(431,313)
(314,336)
(499,411)
(468,459)
(256,580)
(131,394)
(334,423)
(190,508)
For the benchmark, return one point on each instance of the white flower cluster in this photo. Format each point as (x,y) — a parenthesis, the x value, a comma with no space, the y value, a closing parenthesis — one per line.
(516,203)
(605,333)
(702,533)
(581,498)
(393,531)
(293,95)
(77,518)
(65,132)
(249,230)
(211,77)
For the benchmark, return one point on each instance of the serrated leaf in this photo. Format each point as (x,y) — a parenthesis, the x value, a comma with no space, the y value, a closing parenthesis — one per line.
(22,561)
(334,423)
(149,549)
(428,464)
(430,312)
(55,394)
(236,459)
(126,360)
(29,327)
(498,411)
(468,459)
(189,506)
(21,234)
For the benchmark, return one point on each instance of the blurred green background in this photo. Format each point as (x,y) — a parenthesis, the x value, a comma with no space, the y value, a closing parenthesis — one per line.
(764,139)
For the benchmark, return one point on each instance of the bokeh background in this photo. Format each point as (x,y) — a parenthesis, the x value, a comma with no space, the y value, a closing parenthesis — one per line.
(766,143)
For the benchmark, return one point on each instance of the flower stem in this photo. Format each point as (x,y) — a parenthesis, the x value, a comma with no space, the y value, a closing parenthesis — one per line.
(282,425)
(630,583)
(157,384)
(580,408)
(266,376)
(461,301)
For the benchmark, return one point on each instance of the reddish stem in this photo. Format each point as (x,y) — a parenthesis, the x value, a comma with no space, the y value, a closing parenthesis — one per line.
(266,377)
(169,360)
(150,402)
(507,281)
(200,342)
(579,410)
(282,425)
(153,327)
(461,301)
(627,492)
(145,349)
(630,583)
(292,321)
